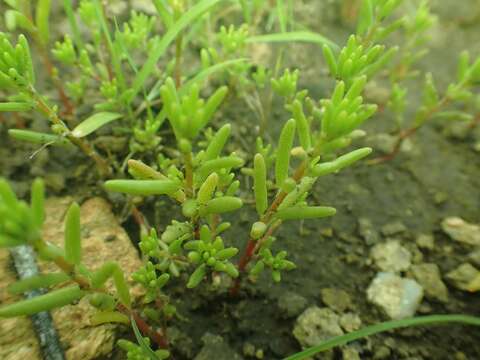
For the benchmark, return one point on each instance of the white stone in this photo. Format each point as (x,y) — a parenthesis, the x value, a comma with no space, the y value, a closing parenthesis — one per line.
(398,297)
(391,256)
(462,231)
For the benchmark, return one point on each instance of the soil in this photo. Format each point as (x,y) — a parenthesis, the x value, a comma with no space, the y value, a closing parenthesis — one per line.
(439,177)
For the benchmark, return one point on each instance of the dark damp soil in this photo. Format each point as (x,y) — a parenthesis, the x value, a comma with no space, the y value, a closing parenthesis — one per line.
(439,177)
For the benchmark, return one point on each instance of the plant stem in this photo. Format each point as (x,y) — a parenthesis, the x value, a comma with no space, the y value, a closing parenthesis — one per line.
(187,158)
(409,132)
(102,165)
(178,61)
(252,244)
(84,283)
(67,104)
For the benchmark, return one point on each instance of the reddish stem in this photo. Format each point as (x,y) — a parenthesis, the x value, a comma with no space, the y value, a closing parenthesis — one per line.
(398,144)
(145,329)
(252,245)
(68,106)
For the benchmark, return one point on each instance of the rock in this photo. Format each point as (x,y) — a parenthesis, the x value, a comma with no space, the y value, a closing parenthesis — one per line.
(462,231)
(463,276)
(17,336)
(316,325)
(216,348)
(144,6)
(383,352)
(399,298)
(79,338)
(249,349)
(393,228)
(181,341)
(459,130)
(382,142)
(291,304)
(279,347)
(417,255)
(429,277)
(55,181)
(350,353)
(336,299)
(391,256)
(367,231)
(474,257)
(440,197)
(425,241)
(350,322)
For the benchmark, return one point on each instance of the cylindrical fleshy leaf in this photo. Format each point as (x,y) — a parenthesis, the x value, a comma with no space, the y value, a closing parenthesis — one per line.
(73,249)
(303,128)
(340,162)
(15,106)
(207,189)
(197,276)
(305,212)
(53,299)
(223,204)
(37,282)
(221,163)
(260,184)
(143,187)
(258,229)
(330,60)
(218,142)
(285,144)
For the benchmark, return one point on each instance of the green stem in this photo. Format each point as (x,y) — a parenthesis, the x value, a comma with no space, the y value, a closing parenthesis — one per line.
(187,158)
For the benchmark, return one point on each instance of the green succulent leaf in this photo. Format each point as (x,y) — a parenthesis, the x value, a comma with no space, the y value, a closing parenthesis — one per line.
(37,282)
(305,212)
(218,142)
(112,269)
(53,299)
(197,276)
(260,184)
(143,187)
(38,137)
(73,247)
(285,144)
(109,317)
(223,204)
(207,189)
(340,162)
(15,106)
